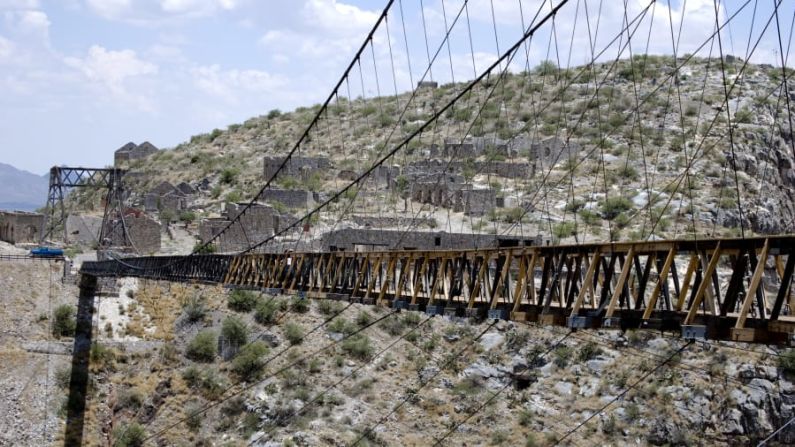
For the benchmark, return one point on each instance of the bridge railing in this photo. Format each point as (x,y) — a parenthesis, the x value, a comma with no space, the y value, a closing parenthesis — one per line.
(725,288)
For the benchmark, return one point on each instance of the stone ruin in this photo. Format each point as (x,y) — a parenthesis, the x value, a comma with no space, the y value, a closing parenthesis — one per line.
(291,198)
(144,232)
(258,223)
(350,239)
(83,229)
(295,167)
(20,227)
(392,222)
(132,151)
(167,197)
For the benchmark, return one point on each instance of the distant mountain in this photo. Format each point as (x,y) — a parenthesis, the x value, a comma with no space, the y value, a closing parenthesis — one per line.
(22,190)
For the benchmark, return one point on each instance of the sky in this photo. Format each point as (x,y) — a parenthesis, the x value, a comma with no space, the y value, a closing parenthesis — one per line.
(80,78)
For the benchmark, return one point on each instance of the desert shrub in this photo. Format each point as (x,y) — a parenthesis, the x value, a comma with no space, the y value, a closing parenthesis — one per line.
(193,416)
(392,326)
(129,398)
(194,308)
(242,300)
(300,305)
(229,175)
(265,312)
(102,357)
(203,347)
(342,326)
(562,355)
(363,319)
(192,376)
(787,361)
(248,363)
(358,346)
(234,331)
(588,351)
(129,435)
(614,206)
(328,307)
(294,333)
(64,322)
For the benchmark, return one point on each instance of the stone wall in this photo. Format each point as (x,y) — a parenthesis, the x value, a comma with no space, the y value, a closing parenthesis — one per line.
(386,222)
(144,233)
(259,223)
(370,239)
(20,227)
(294,166)
(476,202)
(83,229)
(291,198)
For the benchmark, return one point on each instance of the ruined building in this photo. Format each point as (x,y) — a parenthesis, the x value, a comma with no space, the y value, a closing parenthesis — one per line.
(258,223)
(132,151)
(166,196)
(295,167)
(19,227)
(143,232)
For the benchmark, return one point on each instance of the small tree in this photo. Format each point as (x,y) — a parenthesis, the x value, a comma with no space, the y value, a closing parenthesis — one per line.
(64,321)
(187,216)
(203,347)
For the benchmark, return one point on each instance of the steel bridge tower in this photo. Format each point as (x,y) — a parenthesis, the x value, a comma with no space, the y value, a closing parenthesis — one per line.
(110,179)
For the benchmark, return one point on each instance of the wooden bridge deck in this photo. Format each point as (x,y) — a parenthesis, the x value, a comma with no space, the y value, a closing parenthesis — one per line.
(731,289)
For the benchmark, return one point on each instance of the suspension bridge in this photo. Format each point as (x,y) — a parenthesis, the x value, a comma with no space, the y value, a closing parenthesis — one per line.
(678,259)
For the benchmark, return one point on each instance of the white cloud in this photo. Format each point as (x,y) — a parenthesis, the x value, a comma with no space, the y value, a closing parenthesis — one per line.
(234,85)
(109,9)
(6,48)
(153,12)
(14,5)
(112,70)
(339,19)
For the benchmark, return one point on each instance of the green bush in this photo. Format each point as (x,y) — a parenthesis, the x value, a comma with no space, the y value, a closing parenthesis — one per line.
(358,346)
(194,416)
(129,398)
(300,305)
(363,319)
(64,322)
(342,326)
(229,175)
(265,312)
(187,216)
(234,331)
(392,326)
(588,351)
(787,361)
(242,300)
(294,333)
(194,308)
(248,363)
(562,355)
(328,307)
(192,376)
(130,435)
(203,347)
(614,206)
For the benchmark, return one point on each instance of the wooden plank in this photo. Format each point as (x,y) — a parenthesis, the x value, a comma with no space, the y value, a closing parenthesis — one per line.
(705,284)
(622,279)
(756,279)
(661,280)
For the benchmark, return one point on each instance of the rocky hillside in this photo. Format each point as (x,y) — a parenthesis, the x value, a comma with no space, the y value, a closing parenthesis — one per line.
(666,171)
(198,365)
